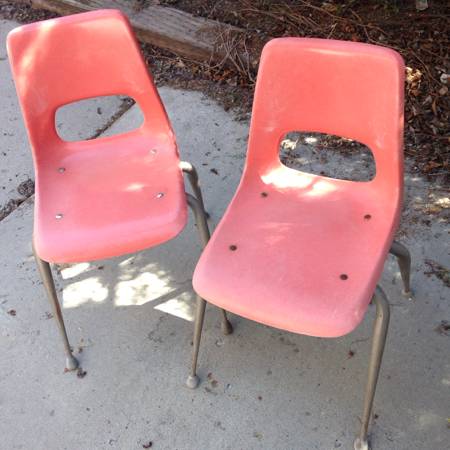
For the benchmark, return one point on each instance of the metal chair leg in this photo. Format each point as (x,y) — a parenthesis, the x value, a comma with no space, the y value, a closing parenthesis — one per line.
(226,326)
(404,263)
(193,380)
(200,218)
(192,174)
(47,278)
(378,342)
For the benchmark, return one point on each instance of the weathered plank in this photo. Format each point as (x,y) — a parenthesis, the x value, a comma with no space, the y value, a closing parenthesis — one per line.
(177,31)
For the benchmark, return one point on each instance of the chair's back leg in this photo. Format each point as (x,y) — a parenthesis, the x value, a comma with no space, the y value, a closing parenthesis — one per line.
(227,328)
(47,278)
(404,263)
(192,174)
(378,341)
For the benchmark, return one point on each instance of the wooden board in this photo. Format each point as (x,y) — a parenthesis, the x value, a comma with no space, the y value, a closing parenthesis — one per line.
(177,31)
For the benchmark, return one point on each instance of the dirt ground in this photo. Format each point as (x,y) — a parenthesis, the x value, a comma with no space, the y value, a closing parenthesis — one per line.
(421,37)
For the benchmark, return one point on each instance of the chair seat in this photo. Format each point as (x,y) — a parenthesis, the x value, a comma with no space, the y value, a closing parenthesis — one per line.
(106,197)
(299,252)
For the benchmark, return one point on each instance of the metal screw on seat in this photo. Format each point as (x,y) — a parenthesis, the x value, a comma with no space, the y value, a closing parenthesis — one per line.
(160,195)
(59,216)
(343,276)
(153,151)
(61,169)
(233,248)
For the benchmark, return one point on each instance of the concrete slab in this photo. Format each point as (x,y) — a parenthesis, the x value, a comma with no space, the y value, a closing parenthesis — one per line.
(130,322)
(74,122)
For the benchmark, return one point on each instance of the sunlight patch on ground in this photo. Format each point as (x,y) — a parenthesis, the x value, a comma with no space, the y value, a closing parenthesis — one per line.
(74,270)
(126,262)
(310,140)
(180,307)
(89,290)
(141,289)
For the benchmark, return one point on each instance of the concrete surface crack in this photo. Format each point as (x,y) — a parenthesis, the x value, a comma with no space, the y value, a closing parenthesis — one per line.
(26,190)
(127,103)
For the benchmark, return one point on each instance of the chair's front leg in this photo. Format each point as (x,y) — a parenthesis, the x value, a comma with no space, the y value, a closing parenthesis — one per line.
(193,380)
(47,278)
(192,174)
(404,262)
(200,218)
(376,355)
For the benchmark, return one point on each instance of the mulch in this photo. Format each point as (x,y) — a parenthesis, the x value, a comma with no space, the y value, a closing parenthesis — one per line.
(422,38)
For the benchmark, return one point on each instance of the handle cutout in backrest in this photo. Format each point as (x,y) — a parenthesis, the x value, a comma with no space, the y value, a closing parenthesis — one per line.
(347,89)
(327,155)
(64,60)
(95,117)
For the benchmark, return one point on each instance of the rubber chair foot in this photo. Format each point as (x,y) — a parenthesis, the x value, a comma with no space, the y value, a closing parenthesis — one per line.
(193,381)
(408,294)
(361,445)
(71,363)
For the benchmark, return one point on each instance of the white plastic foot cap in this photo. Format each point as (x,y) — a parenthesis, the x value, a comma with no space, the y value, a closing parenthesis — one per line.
(192,382)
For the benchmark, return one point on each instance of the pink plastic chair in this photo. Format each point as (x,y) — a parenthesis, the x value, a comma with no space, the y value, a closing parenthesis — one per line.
(98,198)
(304,252)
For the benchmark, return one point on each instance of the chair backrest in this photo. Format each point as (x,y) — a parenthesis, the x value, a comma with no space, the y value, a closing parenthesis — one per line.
(348,89)
(63,60)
